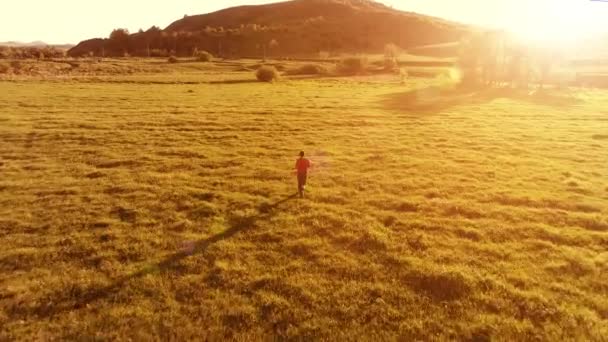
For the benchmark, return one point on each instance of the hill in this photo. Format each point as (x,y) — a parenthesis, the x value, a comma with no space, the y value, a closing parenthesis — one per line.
(23,44)
(294,27)
(37,44)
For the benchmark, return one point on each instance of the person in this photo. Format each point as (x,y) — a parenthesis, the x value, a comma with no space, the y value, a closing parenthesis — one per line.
(302,166)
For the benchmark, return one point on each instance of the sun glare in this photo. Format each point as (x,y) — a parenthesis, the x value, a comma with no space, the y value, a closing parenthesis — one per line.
(257,170)
(560,22)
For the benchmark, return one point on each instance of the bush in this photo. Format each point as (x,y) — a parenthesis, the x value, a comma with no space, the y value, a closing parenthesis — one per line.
(352,66)
(267,74)
(4,68)
(309,69)
(203,56)
(16,65)
(5,52)
(172,59)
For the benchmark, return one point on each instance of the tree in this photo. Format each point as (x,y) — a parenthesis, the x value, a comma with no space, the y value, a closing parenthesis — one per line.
(491,50)
(515,66)
(119,39)
(470,49)
(479,57)
(174,36)
(272,45)
(545,60)
(391,51)
(119,34)
(391,54)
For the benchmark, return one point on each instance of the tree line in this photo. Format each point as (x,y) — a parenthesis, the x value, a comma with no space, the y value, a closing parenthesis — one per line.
(158,43)
(492,58)
(12,52)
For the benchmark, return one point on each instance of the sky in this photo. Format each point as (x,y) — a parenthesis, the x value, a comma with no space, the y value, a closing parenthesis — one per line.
(70,21)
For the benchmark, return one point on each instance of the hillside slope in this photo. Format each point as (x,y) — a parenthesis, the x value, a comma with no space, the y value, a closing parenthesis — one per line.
(293,27)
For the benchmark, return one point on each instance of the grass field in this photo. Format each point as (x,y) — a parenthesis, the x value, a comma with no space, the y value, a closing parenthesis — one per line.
(148,208)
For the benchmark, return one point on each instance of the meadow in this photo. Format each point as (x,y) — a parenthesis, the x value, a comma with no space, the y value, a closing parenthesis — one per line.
(158,204)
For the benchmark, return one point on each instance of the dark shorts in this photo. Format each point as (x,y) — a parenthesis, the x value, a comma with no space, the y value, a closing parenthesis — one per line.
(301,181)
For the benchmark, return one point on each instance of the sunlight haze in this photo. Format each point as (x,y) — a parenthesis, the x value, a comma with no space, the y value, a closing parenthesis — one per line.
(64,21)
(305,170)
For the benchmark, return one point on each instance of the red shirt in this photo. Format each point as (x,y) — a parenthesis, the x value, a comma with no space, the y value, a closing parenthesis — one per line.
(302,165)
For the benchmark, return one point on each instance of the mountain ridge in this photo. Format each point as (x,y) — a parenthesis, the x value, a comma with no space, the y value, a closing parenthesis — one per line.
(36,43)
(294,27)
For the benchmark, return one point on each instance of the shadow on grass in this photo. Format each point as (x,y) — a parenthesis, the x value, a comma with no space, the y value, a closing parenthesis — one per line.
(233,81)
(436,99)
(240,81)
(85,297)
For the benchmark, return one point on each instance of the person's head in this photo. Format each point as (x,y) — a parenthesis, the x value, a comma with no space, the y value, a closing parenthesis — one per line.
(301,154)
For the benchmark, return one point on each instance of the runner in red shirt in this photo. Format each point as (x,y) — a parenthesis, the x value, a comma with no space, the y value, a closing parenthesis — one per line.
(302,166)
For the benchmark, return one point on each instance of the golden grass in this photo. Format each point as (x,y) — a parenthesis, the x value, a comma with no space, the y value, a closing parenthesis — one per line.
(157,210)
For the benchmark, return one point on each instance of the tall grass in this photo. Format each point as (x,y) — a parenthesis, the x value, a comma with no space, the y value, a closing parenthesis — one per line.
(160,206)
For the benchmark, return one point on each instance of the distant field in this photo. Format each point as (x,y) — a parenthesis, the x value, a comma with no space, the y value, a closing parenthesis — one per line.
(187,70)
(159,205)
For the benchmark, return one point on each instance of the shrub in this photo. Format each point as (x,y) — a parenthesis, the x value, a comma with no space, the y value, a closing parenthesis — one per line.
(309,69)
(16,65)
(4,68)
(5,52)
(352,66)
(267,73)
(203,56)
(172,59)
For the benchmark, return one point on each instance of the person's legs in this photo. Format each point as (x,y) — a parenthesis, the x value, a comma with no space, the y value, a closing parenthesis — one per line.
(301,183)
